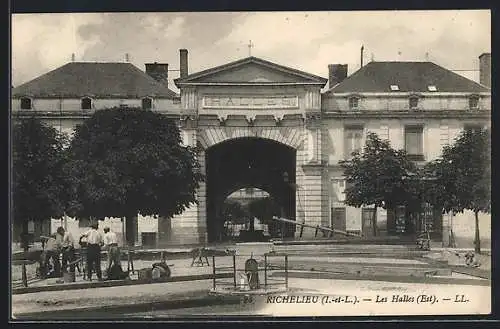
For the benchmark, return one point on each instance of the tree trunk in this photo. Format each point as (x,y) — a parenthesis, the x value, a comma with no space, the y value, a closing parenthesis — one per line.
(25,245)
(25,236)
(374,221)
(251,227)
(477,242)
(131,229)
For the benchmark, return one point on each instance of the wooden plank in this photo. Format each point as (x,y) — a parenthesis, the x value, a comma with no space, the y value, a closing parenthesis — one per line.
(322,228)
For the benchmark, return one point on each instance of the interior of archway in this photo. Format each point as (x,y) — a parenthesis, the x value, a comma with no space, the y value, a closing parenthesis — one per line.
(249,162)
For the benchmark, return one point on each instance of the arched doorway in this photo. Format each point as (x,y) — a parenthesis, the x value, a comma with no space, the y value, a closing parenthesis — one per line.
(249,162)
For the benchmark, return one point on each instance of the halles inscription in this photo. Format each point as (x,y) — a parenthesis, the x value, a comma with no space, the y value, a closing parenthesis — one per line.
(253,102)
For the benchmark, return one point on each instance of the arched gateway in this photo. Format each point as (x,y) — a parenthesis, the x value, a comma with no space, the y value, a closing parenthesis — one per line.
(256,124)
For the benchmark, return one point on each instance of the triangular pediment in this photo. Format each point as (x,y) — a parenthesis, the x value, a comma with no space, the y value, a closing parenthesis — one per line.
(251,70)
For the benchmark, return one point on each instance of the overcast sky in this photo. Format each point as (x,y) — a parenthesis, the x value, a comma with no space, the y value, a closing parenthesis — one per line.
(307,41)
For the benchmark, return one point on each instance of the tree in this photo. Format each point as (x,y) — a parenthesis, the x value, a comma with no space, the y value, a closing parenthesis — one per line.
(234,211)
(264,209)
(125,161)
(463,176)
(39,184)
(377,177)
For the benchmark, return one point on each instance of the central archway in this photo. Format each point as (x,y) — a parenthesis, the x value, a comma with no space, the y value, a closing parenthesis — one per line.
(249,162)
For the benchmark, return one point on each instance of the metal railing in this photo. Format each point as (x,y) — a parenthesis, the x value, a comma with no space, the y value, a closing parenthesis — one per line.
(242,277)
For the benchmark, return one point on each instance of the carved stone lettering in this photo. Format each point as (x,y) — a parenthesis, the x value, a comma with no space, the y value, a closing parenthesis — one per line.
(246,102)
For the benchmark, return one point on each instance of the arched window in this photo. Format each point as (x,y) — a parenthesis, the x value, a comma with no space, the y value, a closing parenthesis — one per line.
(86,103)
(413,102)
(147,103)
(473,102)
(26,103)
(353,103)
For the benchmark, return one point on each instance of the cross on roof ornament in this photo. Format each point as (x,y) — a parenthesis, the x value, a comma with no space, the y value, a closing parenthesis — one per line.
(250,46)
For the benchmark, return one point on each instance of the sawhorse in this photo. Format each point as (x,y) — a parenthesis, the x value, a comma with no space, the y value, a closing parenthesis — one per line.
(200,257)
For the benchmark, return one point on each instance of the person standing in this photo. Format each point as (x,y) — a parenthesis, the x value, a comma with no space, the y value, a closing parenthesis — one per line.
(50,254)
(111,244)
(67,245)
(94,243)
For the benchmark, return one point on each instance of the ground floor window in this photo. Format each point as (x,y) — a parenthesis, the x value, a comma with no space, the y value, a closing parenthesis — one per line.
(400,221)
(338,219)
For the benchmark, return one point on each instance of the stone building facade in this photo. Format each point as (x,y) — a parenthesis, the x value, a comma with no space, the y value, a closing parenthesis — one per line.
(279,120)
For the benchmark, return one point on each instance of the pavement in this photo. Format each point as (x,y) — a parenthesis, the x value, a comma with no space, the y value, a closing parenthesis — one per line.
(55,301)
(134,299)
(346,298)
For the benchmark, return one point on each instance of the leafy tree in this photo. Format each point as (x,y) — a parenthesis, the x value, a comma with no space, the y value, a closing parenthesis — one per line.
(463,176)
(39,185)
(377,177)
(234,211)
(264,209)
(125,161)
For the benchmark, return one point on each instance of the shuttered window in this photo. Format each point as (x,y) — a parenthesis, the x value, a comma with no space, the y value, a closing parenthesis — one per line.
(414,142)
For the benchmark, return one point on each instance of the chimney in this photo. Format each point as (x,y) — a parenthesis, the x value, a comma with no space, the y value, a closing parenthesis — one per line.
(336,74)
(158,71)
(183,62)
(485,69)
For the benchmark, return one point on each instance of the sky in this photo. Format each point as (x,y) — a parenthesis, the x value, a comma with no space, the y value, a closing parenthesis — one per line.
(307,41)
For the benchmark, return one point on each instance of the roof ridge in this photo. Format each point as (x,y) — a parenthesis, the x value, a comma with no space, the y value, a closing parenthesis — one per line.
(410,75)
(104,78)
(249,59)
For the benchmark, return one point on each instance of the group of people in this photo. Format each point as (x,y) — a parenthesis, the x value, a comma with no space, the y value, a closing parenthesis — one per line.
(91,242)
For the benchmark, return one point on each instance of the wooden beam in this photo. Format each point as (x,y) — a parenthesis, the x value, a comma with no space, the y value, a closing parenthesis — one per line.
(321,228)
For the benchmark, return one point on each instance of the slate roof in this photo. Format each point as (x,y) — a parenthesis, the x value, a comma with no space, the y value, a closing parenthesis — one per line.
(408,76)
(99,80)
(285,69)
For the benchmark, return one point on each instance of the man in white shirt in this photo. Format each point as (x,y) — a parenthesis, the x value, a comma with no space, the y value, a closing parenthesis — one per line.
(111,244)
(94,243)
(50,254)
(66,243)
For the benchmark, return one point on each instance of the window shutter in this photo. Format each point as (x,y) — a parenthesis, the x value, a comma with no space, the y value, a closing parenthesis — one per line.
(384,132)
(444,136)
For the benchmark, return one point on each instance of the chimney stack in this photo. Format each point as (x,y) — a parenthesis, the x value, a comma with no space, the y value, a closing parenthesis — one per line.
(485,69)
(183,63)
(158,71)
(336,74)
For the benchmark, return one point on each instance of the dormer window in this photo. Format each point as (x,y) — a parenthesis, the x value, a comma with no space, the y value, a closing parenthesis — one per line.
(432,88)
(353,103)
(473,102)
(413,102)
(147,103)
(86,103)
(394,88)
(26,103)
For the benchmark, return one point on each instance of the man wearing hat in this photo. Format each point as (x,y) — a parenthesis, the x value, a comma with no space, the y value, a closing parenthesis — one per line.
(111,244)
(65,240)
(94,243)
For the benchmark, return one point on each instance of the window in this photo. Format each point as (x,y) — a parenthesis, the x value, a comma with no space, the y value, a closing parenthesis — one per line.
(84,222)
(432,88)
(413,102)
(414,142)
(353,138)
(147,103)
(353,103)
(338,220)
(86,103)
(473,103)
(25,103)
(394,88)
